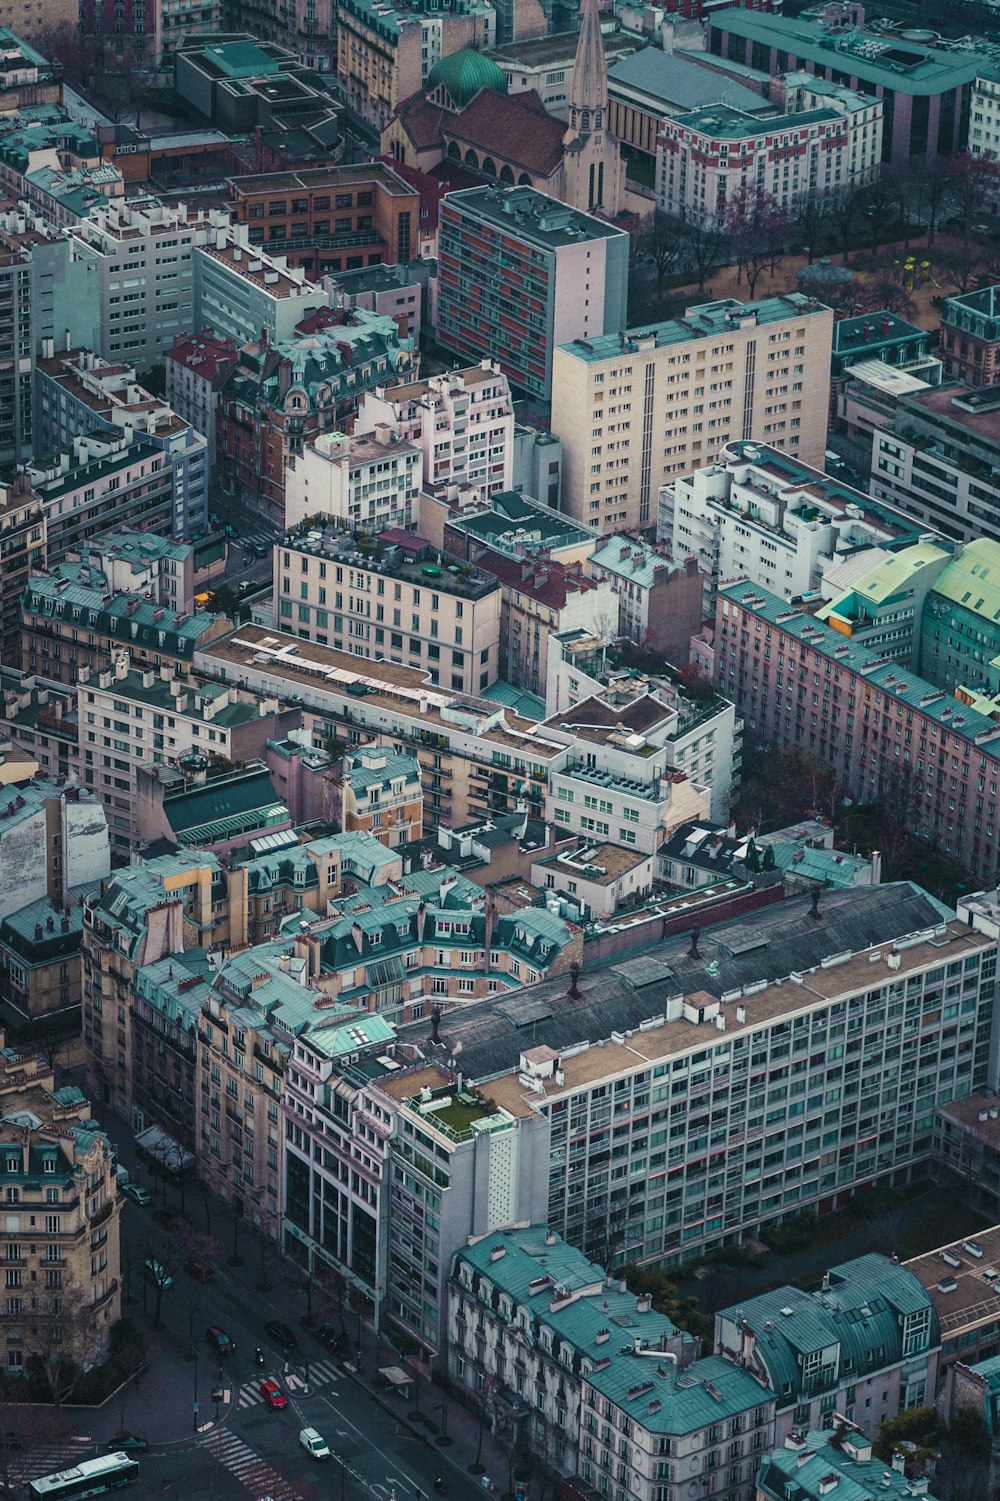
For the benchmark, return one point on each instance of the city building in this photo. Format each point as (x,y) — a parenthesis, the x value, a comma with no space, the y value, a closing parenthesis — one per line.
(157,717)
(241,84)
(763,514)
(868,398)
(984,117)
(26,77)
(813,1465)
(229,812)
(148,245)
(809,1349)
(381,795)
(74,616)
(245,294)
(670,1135)
(397,601)
(759,367)
(197,368)
(888,605)
(276,400)
(970,335)
(652,84)
(543,65)
(367,483)
(80,397)
(705,158)
(100,479)
(477,759)
(659,601)
(958,1281)
(392,291)
(697,728)
(40,722)
(925,91)
(462,422)
(538,597)
(154,29)
(937,460)
(15,342)
(386,52)
(516,527)
(601,880)
(64,1282)
(835,719)
(306,29)
(53,838)
(23,544)
(519,275)
(329,219)
(881,336)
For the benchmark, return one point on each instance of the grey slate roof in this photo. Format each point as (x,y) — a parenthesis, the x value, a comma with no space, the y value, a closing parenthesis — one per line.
(680,83)
(768,944)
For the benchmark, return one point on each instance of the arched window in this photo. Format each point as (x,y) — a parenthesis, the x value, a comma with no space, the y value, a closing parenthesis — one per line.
(506,175)
(472,160)
(489,168)
(453,153)
(524,181)
(585,119)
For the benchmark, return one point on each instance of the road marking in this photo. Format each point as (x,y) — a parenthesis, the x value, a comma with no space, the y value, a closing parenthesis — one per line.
(254,1472)
(44,1459)
(321,1373)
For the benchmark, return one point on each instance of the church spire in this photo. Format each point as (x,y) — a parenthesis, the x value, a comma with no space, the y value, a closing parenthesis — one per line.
(588,97)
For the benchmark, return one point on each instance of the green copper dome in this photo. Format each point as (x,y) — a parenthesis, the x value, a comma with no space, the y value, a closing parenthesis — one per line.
(464,73)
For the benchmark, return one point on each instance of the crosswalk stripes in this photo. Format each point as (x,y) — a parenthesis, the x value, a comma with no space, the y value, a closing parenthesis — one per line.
(46,1459)
(254,1472)
(321,1372)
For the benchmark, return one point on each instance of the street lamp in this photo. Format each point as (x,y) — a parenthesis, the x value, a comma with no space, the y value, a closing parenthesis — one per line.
(194,1416)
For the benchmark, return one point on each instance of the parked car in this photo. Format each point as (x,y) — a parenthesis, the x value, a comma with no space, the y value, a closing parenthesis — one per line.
(313,1443)
(199,1270)
(272,1394)
(126,1443)
(219,1340)
(137,1194)
(281,1334)
(157,1274)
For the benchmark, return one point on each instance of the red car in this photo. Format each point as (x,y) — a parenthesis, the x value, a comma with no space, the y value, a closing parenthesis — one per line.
(272,1394)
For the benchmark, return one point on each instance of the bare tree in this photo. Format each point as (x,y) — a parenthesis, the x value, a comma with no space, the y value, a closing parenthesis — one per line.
(705,243)
(810,221)
(756,227)
(661,245)
(61,1334)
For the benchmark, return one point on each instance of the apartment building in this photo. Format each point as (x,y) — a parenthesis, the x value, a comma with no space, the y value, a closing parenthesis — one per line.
(40,722)
(937,460)
(129,714)
(144,254)
(23,544)
(397,600)
(15,350)
(381,795)
(462,421)
(516,526)
(369,482)
(243,293)
(154,28)
(762,368)
(395,291)
(763,514)
(537,1318)
(26,77)
(276,400)
(957,1279)
(829,140)
(812,1465)
(970,334)
(477,758)
(673,1134)
(63,1278)
(197,367)
(618,783)
(520,274)
(329,219)
(800,1344)
(599,879)
(80,395)
(53,842)
(386,51)
(984,118)
(659,601)
(873,721)
(652,83)
(539,596)
(305,28)
(73,619)
(101,479)
(700,733)
(925,91)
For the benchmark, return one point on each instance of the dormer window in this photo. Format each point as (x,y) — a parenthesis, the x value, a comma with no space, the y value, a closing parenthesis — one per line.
(13,1164)
(48,1165)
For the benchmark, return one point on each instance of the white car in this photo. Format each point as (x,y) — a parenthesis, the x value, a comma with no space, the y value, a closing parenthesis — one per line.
(314,1443)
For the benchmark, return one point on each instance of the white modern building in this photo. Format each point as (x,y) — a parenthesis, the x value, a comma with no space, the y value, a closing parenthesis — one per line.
(241,292)
(462,421)
(364,483)
(984,120)
(762,515)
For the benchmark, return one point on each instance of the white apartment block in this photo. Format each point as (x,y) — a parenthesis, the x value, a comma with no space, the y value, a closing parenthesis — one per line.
(702,740)
(145,251)
(364,483)
(984,121)
(759,514)
(462,421)
(831,140)
(390,605)
(241,292)
(635,410)
(99,482)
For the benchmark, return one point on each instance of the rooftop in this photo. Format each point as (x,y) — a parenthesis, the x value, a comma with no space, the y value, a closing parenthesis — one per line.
(190,702)
(872,330)
(317,179)
(532,216)
(418,563)
(815,1465)
(633,560)
(678,82)
(705,321)
(723,122)
(963,1280)
(544,51)
(601,864)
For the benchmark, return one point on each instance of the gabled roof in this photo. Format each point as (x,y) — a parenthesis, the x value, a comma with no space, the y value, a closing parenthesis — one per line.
(516,129)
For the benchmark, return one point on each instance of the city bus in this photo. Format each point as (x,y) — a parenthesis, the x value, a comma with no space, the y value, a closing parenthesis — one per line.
(91,1477)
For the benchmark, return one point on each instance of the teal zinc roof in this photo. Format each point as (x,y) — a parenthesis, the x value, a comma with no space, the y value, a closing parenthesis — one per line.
(513,524)
(71,587)
(158,695)
(827,867)
(528,705)
(838,1464)
(61,928)
(143,548)
(988,1372)
(395,765)
(704,1393)
(707,320)
(726,123)
(895,681)
(892,62)
(464,73)
(242,60)
(635,562)
(973,579)
(222,799)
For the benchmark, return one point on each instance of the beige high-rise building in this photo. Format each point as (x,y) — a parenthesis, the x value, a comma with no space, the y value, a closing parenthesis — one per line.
(637,409)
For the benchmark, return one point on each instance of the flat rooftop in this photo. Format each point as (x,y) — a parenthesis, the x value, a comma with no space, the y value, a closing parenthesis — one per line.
(707,320)
(975,1298)
(529,215)
(723,122)
(315,179)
